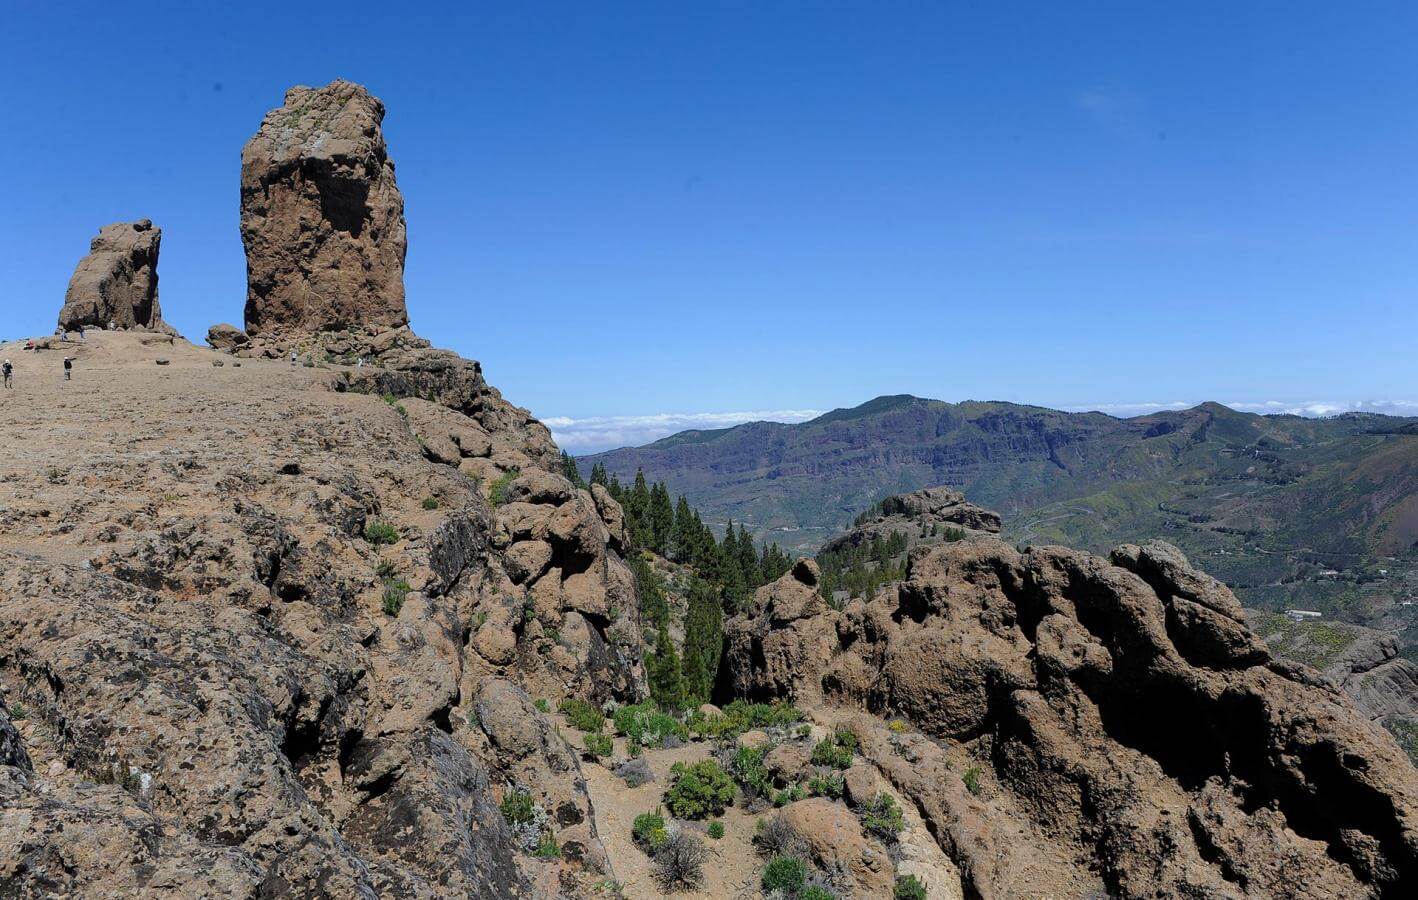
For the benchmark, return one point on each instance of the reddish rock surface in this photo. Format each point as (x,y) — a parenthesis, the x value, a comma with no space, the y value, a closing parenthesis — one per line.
(117,282)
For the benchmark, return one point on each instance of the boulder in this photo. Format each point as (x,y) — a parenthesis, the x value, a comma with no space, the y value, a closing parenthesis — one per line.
(836,844)
(227,337)
(322,219)
(117,282)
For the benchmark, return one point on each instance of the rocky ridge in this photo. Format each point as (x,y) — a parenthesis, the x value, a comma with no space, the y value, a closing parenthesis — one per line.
(1122,728)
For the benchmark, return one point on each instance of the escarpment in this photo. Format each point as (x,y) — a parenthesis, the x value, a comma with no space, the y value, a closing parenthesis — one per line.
(1089,719)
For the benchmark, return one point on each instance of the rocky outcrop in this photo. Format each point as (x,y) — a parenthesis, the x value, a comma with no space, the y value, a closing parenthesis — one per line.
(1119,717)
(928,516)
(293,653)
(117,282)
(322,218)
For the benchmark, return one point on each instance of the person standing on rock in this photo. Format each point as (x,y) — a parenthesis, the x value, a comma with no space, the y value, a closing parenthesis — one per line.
(68,367)
(292,357)
(9,370)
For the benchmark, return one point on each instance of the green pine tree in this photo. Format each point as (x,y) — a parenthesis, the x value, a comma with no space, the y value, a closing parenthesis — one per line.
(663,671)
(662,519)
(703,640)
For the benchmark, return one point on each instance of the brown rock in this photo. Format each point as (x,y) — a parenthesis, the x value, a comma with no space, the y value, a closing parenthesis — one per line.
(117,282)
(227,337)
(836,844)
(786,762)
(322,218)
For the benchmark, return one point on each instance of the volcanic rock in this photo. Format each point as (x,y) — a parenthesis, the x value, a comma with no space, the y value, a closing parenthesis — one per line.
(322,218)
(117,282)
(927,516)
(227,337)
(1127,720)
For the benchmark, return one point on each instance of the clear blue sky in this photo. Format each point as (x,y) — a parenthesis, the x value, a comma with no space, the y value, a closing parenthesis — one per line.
(629,209)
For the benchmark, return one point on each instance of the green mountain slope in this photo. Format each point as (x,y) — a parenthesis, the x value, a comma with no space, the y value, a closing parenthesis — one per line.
(1289,510)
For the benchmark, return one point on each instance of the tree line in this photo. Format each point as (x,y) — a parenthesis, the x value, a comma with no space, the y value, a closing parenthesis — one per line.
(724,574)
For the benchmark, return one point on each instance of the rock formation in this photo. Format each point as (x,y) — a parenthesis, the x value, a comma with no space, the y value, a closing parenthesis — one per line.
(117,282)
(299,650)
(1124,730)
(322,218)
(925,516)
(227,337)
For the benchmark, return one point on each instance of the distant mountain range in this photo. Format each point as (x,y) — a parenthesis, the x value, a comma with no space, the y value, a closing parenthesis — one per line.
(1289,510)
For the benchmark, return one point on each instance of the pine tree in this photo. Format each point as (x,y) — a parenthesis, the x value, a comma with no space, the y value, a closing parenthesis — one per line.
(663,671)
(598,475)
(703,640)
(570,470)
(748,560)
(686,534)
(637,511)
(662,519)
(650,588)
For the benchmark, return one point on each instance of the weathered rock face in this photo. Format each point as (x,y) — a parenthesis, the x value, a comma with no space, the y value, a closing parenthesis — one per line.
(322,218)
(117,282)
(227,337)
(1121,719)
(218,697)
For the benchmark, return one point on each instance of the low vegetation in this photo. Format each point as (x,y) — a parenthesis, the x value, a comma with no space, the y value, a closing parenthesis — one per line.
(679,862)
(381,533)
(699,790)
(883,819)
(583,716)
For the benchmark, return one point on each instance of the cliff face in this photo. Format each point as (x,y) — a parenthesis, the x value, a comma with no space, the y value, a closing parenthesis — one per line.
(1094,724)
(263,634)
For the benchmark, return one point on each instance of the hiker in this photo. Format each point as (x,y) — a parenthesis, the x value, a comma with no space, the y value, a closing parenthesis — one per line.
(360,364)
(9,371)
(68,367)
(292,357)
(81,334)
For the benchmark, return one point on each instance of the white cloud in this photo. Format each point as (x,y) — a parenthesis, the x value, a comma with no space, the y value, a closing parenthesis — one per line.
(596,433)
(1310,408)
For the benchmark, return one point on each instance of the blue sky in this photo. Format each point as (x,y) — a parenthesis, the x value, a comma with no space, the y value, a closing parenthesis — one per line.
(634,211)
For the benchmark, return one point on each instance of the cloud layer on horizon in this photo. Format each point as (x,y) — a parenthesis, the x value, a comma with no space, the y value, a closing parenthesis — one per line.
(595,434)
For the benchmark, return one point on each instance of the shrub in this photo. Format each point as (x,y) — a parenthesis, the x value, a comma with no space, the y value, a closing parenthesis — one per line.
(703,789)
(883,818)
(548,848)
(582,715)
(647,725)
(750,772)
(792,794)
(898,726)
(381,533)
(972,780)
(599,745)
(679,863)
(542,705)
(831,786)
(909,887)
(784,873)
(648,831)
(775,837)
(394,593)
(813,892)
(518,808)
(716,830)
(740,716)
(497,494)
(385,570)
(831,752)
(430,503)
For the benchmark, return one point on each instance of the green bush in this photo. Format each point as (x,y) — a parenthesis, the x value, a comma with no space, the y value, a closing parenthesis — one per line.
(430,503)
(547,848)
(542,705)
(832,752)
(831,786)
(381,533)
(497,494)
(649,727)
(716,830)
(784,873)
(394,593)
(582,715)
(883,818)
(703,789)
(599,745)
(386,570)
(749,771)
(518,808)
(813,892)
(648,831)
(909,887)
(972,780)
(791,794)
(740,716)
